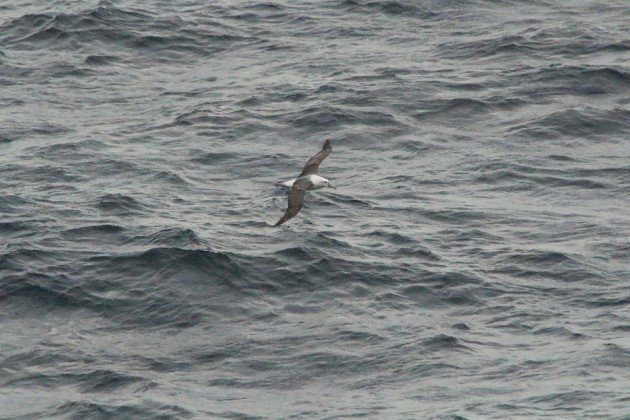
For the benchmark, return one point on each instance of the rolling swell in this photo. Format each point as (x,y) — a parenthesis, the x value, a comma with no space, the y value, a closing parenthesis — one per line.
(472,263)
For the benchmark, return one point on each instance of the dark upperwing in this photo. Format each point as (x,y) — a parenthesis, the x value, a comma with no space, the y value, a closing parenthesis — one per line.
(312,165)
(296,202)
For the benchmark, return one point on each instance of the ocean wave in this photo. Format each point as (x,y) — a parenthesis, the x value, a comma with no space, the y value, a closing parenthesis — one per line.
(9,202)
(521,177)
(9,228)
(547,264)
(479,154)
(94,230)
(532,42)
(173,258)
(508,45)
(13,132)
(173,237)
(580,123)
(572,80)
(101,59)
(148,409)
(88,382)
(427,297)
(465,108)
(391,237)
(38,294)
(331,116)
(111,25)
(394,8)
(68,149)
(45,174)
(119,204)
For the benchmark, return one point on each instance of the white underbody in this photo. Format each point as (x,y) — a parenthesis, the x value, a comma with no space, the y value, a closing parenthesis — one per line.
(317,182)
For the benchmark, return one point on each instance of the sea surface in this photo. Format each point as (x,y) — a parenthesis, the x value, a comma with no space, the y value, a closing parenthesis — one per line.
(473,262)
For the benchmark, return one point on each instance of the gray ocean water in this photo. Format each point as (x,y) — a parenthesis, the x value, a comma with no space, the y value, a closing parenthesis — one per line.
(474,261)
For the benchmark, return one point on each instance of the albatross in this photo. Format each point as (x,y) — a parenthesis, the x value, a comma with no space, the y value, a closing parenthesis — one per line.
(307,180)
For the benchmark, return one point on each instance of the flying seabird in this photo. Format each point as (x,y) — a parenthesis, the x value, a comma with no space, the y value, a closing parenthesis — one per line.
(307,180)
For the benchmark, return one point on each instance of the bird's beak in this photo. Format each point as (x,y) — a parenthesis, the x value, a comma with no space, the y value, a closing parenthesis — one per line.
(331,185)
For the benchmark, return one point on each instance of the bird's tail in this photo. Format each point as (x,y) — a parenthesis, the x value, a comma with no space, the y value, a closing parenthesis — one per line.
(287,184)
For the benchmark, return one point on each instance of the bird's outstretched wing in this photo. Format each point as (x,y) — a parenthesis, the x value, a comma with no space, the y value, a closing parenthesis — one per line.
(296,201)
(312,165)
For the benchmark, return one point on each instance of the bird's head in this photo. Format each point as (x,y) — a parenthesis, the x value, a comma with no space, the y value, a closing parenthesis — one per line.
(329,184)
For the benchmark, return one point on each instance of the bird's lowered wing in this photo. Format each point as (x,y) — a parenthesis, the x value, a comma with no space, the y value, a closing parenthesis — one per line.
(312,165)
(296,201)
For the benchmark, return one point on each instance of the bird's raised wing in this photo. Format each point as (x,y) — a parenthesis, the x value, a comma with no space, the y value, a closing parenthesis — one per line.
(312,165)
(296,201)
